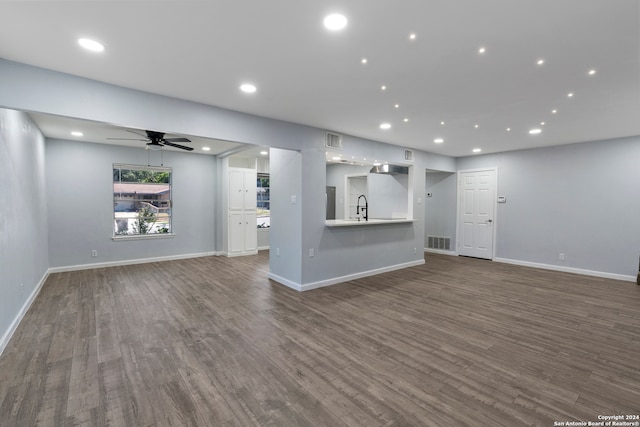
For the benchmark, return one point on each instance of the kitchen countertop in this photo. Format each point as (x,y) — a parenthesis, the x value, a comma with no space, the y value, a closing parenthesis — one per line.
(372,221)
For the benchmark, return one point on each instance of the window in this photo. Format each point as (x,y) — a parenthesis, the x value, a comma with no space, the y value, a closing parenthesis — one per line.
(263,204)
(141,200)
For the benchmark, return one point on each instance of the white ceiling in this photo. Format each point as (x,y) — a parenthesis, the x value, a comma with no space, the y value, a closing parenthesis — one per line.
(203,50)
(61,128)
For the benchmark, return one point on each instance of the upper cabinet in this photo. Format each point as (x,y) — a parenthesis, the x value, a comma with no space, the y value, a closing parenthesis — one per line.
(242,189)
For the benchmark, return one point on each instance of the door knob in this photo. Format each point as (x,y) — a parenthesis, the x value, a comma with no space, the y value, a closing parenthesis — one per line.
(489,220)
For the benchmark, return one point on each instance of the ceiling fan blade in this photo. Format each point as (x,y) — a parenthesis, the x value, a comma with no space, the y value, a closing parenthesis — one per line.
(177,140)
(171,144)
(137,133)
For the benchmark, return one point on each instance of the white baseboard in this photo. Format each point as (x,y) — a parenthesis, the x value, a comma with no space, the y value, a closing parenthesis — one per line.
(25,307)
(235,254)
(286,282)
(342,279)
(263,248)
(441,251)
(582,271)
(129,262)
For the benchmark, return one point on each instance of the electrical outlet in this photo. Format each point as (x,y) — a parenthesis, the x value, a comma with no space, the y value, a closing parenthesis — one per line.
(312,253)
(94,253)
(561,256)
(415,251)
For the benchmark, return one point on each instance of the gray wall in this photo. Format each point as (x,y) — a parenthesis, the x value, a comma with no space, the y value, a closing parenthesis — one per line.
(35,89)
(286,216)
(23,216)
(582,200)
(388,195)
(80,203)
(441,207)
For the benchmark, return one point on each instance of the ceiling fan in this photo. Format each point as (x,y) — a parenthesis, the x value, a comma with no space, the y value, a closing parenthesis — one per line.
(156,140)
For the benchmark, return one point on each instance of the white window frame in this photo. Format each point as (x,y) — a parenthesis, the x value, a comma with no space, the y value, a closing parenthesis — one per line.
(121,211)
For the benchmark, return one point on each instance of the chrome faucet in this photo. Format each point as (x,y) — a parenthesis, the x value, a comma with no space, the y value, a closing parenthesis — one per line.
(364,208)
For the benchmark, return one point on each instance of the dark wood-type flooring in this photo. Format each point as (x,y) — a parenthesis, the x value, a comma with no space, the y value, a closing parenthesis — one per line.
(212,342)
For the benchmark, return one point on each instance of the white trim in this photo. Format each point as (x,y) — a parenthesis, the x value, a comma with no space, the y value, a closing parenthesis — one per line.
(121,237)
(243,253)
(25,307)
(129,262)
(342,279)
(286,282)
(263,248)
(441,251)
(582,271)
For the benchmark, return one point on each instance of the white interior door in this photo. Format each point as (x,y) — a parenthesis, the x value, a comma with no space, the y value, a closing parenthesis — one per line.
(476,208)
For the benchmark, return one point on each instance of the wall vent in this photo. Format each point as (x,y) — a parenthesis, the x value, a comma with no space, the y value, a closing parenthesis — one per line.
(408,155)
(334,141)
(441,243)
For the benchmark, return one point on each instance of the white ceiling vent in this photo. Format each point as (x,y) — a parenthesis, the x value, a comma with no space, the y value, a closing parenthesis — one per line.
(334,141)
(408,155)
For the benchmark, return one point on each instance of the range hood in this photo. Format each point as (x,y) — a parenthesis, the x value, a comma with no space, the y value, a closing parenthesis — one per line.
(390,169)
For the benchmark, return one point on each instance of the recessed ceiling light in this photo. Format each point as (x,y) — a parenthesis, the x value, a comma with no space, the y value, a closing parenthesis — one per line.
(541,123)
(477,150)
(383,87)
(540,61)
(535,131)
(376,163)
(364,60)
(476,126)
(385,126)
(554,111)
(206,148)
(592,72)
(412,36)
(438,140)
(405,120)
(442,123)
(248,88)
(397,106)
(76,133)
(335,158)
(91,45)
(335,21)
(264,153)
(508,129)
(570,94)
(482,50)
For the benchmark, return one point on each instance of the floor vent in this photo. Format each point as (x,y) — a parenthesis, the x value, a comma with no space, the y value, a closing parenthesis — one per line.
(333,141)
(442,243)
